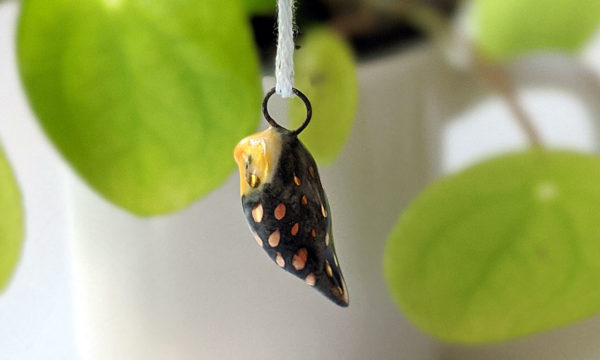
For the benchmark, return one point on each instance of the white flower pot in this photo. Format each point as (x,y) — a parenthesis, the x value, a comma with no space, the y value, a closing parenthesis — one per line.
(195,285)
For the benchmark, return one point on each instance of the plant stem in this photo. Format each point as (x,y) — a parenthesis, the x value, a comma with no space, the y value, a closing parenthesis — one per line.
(500,81)
(439,27)
(423,16)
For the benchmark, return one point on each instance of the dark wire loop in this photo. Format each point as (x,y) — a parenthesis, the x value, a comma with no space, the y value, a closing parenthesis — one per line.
(274,123)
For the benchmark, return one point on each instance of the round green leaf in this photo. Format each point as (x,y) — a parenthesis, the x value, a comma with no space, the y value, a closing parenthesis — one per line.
(506,248)
(260,7)
(145,99)
(11,222)
(326,73)
(507,28)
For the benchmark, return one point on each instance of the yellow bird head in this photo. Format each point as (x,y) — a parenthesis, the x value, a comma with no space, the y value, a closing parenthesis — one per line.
(257,156)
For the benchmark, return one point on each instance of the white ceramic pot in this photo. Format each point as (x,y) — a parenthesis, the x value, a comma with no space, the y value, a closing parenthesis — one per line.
(194,285)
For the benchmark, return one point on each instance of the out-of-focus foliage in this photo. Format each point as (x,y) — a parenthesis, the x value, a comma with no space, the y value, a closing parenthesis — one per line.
(508,28)
(260,7)
(11,222)
(146,100)
(505,248)
(326,73)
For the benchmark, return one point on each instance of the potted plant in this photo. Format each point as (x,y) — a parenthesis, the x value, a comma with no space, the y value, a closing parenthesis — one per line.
(145,103)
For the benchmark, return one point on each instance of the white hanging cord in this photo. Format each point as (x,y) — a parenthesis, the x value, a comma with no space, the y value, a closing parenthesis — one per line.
(284,62)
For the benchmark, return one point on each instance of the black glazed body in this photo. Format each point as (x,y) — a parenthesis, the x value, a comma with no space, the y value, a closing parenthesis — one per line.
(306,222)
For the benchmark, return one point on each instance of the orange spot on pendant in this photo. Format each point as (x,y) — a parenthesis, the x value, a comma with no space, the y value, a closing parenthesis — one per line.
(274,238)
(310,279)
(258,239)
(294,230)
(257,213)
(328,269)
(279,260)
(299,259)
(280,211)
(323,211)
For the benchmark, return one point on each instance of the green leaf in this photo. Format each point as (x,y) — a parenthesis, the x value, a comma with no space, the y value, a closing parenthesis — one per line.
(260,7)
(145,99)
(505,248)
(326,73)
(508,28)
(11,222)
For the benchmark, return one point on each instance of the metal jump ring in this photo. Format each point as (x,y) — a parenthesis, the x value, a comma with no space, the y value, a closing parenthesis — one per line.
(273,123)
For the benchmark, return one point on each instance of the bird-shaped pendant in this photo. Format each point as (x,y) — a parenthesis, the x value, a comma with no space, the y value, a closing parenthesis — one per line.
(286,207)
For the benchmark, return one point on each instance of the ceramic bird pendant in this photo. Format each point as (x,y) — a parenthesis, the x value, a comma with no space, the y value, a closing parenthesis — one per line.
(287,210)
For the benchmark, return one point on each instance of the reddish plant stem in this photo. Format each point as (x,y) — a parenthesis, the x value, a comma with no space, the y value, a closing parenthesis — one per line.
(438,27)
(500,81)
